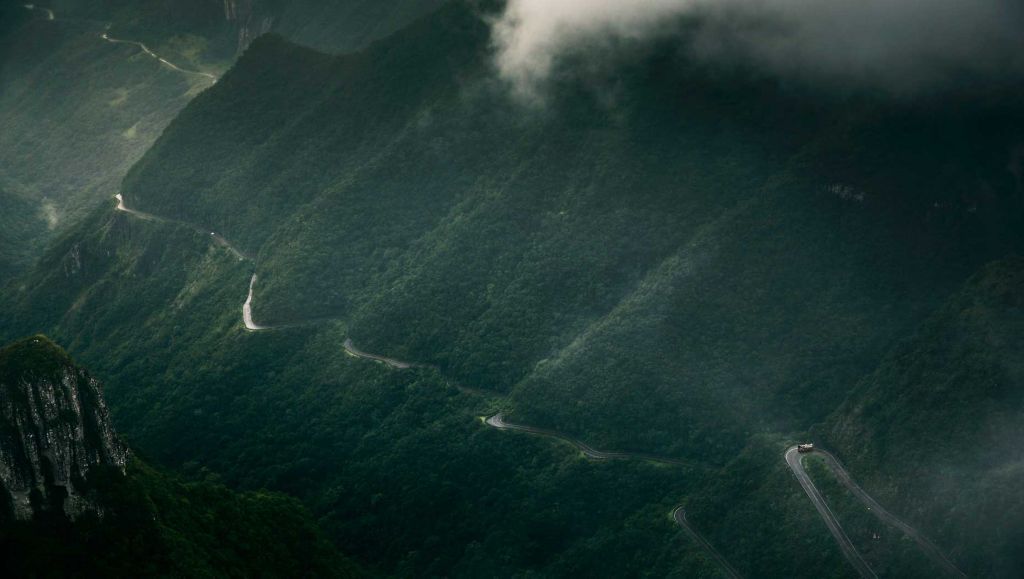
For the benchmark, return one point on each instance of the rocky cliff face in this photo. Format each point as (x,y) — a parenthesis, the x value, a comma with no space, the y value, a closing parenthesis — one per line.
(54,430)
(250,19)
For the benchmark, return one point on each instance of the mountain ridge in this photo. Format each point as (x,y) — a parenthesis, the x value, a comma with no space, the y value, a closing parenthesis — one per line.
(76,501)
(684,262)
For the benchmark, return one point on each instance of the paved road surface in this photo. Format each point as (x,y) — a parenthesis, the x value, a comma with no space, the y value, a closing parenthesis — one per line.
(352,350)
(141,215)
(247,310)
(145,49)
(679,516)
(215,237)
(926,546)
(795,461)
(793,458)
(498,421)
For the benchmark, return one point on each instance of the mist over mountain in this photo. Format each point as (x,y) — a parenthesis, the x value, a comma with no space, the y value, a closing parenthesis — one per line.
(899,47)
(87,87)
(737,292)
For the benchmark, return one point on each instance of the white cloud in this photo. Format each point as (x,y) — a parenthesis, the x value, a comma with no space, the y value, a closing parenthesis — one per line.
(897,44)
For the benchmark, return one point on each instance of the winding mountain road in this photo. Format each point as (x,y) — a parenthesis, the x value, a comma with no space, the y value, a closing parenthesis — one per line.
(50,15)
(145,49)
(215,237)
(141,215)
(247,310)
(679,516)
(793,458)
(498,421)
(795,461)
(353,351)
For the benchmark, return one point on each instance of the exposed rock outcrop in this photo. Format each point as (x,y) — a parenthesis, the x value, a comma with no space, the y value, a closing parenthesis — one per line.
(250,20)
(54,430)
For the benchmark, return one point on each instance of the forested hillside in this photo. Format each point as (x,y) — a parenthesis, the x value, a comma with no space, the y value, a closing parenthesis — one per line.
(155,308)
(944,409)
(663,257)
(77,111)
(81,100)
(674,240)
(19,239)
(96,510)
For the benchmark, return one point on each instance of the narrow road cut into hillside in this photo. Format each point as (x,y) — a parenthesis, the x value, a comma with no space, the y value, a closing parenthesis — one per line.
(926,546)
(678,514)
(215,237)
(50,15)
(247,317)
(141,215)
(252,326)
(795,461)
(247,310)
(497,421)
(145,49)
(355,352)
(352,350)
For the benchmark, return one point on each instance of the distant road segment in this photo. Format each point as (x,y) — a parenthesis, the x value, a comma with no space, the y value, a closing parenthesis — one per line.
(50,15)
(793,458)
(679,516)
(795,461)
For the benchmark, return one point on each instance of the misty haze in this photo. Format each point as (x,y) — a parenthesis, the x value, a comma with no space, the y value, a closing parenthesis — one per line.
(512,288)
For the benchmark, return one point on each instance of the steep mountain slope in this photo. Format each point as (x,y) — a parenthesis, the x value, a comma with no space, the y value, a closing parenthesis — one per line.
(674,241)
(155,306)
(56,428)
(944,409)
(19,240)
(345,25)
(77,502)
(81,99)
(77,111)
(681,261)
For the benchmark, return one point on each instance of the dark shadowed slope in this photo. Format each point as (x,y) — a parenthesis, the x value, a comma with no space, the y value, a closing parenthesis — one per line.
(943,410)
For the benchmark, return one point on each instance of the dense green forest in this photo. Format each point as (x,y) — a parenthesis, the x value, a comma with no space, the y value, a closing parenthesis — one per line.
(162,526)
(139,521)
(944,409)
(19,239)
(754,257)
(702,264)
(78,110)
(155,308)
